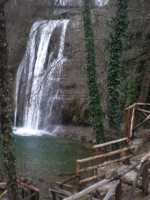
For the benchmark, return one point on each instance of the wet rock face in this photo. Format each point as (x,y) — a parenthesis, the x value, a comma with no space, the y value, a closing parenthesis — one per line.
(75,112)
(74,104)
(74,108)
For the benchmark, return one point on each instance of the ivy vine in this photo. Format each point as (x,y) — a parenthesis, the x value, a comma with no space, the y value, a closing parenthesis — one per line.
(94,94)
(114,68)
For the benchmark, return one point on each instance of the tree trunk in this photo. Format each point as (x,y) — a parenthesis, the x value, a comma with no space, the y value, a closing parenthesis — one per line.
(6,130)
(94,94)
(114,67)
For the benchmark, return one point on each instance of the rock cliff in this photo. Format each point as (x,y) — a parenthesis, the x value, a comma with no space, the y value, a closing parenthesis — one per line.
(74,109)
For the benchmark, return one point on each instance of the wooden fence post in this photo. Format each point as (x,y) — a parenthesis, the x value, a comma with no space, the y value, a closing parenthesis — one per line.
(145,180)
(52,194)
(127,129)
(118,191)
(132,125)
(37,196)
(78,174)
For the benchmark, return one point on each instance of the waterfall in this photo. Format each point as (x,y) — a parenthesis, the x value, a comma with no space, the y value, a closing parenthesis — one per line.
(37,92)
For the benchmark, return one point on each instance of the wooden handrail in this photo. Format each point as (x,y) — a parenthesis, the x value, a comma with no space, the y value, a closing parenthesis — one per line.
(135,107)
(34,190)
(30,187)
(86,180)
(128,108)
(110,143)
(101,183)
(68,179)
(104,164)
(146,119)
(142,110)
(106,154)
(143,104)
(139,104)
(3,184)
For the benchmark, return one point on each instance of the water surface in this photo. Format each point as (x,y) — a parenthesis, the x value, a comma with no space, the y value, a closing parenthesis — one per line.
(47,159)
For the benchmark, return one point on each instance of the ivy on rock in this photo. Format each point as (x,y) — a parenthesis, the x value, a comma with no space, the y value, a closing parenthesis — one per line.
(94,94)
(114,68)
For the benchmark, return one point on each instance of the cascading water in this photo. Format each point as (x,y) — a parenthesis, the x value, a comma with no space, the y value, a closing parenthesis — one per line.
(37,83)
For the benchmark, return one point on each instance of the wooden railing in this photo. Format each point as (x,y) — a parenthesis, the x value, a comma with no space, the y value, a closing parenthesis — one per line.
(95,163)
(133,112)
(89,169)
(117,183)
(25,191)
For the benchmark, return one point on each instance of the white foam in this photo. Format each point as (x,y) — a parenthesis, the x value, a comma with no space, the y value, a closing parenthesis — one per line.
(30,132)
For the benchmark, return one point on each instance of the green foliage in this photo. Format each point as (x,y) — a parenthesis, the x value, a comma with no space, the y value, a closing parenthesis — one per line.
(131,94)
(94,95)
(132,91)
(116,45)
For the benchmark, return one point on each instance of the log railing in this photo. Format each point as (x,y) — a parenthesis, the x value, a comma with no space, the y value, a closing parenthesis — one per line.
(132,124)
(95,163)
(26,192)
(89,169)
(117,183)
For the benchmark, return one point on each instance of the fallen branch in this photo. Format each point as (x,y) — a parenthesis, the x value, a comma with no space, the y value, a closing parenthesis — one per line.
(88,190)
(111,190)
(106,181)
(100,184)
